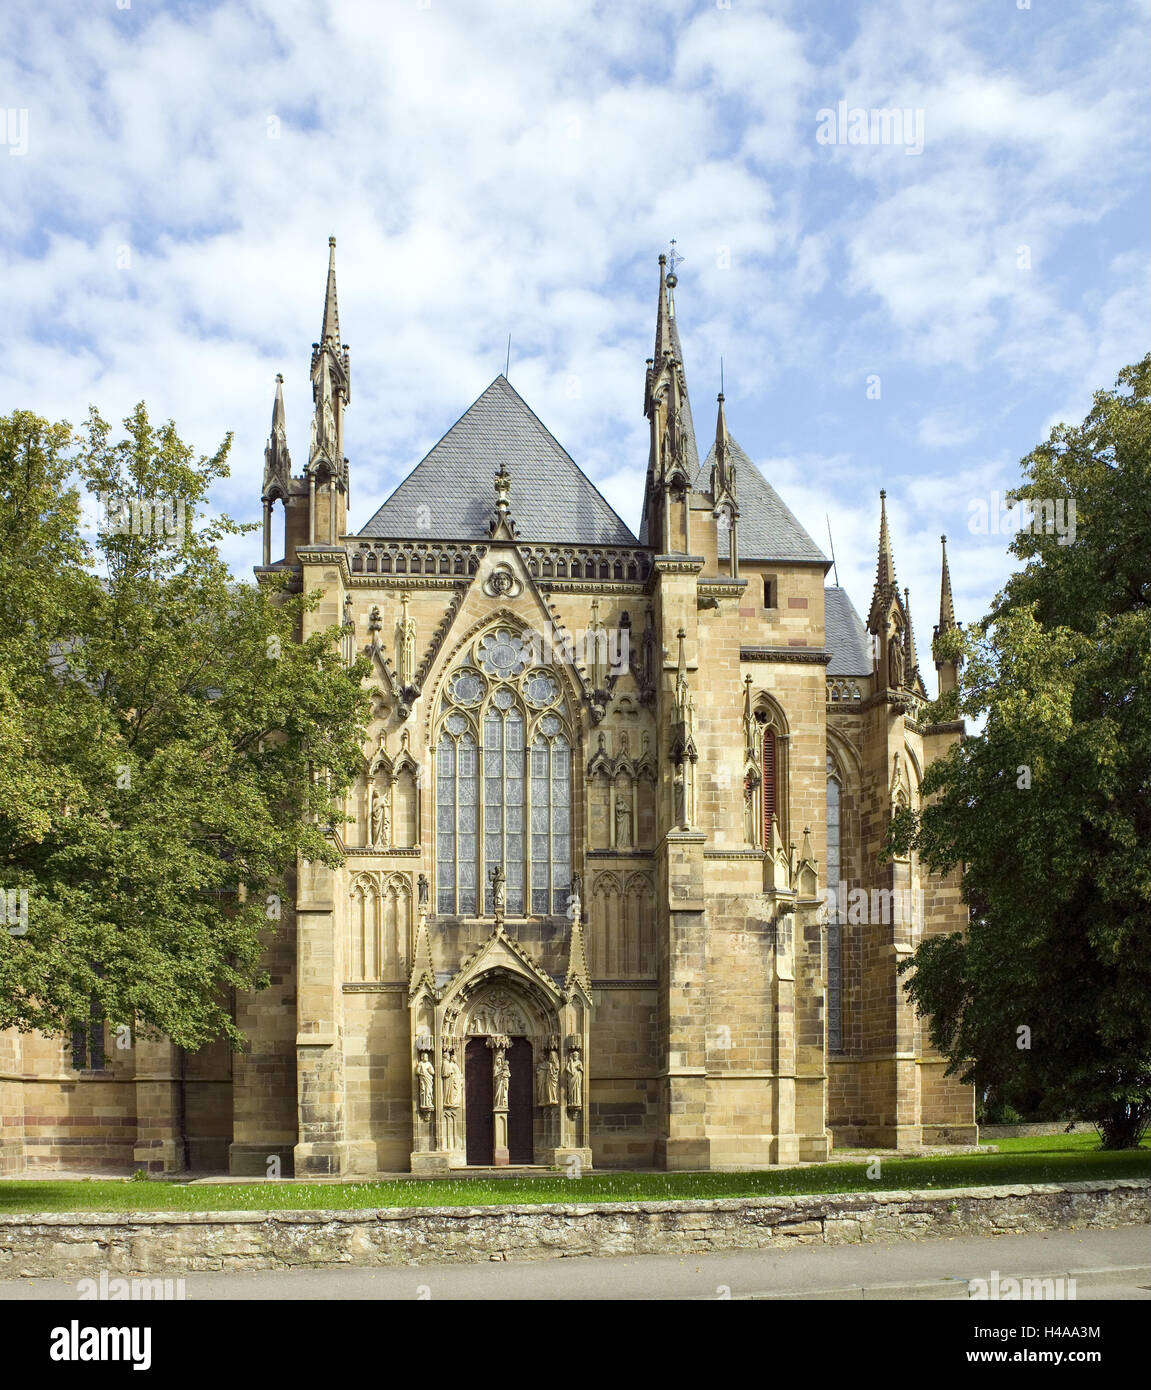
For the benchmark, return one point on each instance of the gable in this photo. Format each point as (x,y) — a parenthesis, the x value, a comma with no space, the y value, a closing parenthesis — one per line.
(450,494)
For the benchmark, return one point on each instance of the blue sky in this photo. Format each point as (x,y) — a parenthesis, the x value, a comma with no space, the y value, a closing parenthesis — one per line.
(173,172)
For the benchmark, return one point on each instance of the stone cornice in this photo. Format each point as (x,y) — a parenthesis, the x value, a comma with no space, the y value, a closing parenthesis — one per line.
(678,564)
(816,656)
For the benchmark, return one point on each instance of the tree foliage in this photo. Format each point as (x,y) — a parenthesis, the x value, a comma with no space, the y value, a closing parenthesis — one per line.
(1048,811)
(167,746)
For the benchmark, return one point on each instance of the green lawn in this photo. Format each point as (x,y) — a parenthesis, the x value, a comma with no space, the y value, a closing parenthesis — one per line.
(1058,1158)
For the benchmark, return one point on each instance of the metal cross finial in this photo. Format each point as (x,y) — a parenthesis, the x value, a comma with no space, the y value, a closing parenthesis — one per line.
(674,258)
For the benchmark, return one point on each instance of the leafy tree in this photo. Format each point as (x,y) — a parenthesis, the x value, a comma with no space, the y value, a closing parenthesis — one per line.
(168,747)
(1049,809)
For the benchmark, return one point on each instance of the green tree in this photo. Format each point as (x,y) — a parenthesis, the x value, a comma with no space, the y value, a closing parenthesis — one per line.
(168,747)
(1048,810)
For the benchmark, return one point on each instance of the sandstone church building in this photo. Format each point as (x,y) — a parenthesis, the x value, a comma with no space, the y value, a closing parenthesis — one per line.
(583,917)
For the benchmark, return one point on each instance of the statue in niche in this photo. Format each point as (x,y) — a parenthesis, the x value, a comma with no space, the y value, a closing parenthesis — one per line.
(422,890)
(453,1079)
(501,1079)
(552,1079)
(574,1077)
(895,662)
(622,824)
(680,789)
(425,1078)
(381,819)
(542,1081)
(499,889)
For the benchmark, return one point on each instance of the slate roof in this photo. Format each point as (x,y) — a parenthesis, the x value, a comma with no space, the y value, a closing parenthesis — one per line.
(768,530)
(551,499)
(847,638)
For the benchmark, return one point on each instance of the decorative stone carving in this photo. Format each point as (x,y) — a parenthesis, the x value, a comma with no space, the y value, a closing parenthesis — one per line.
(425,1080)
(622,825)
(423,891)
(573,1077)
(496,1015)
(452,1077)
(501,1080)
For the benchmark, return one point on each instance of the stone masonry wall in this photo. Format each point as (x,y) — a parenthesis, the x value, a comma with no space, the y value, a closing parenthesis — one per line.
(66,1245)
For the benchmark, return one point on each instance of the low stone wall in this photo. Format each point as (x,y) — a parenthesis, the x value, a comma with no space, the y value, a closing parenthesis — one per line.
(74,1244)
(1024,1131)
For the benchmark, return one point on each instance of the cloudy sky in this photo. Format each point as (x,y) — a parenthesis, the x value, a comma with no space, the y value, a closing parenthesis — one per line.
(912,315)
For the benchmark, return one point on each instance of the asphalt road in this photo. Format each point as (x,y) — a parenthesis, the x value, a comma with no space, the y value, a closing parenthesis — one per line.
(1107,1264)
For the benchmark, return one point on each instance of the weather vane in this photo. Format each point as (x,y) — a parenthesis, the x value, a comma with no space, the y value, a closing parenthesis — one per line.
(674,258)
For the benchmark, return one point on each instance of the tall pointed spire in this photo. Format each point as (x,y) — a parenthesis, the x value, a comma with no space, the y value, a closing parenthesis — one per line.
(331,329)
(327,469)
(673,460)
(886,591)
(946,604)
(720,482)
(885,566)
(948,671)
(277,460)
(912,679)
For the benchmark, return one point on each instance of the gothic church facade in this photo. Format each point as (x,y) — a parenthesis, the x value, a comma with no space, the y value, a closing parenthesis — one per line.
(583,917)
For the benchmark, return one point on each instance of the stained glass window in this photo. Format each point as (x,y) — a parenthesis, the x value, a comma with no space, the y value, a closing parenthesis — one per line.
(503,785)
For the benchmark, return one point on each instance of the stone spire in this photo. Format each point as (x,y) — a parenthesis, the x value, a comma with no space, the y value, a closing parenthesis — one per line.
(886,590)
(327,468)
(673,460)
(725,507)
(948,671)
(331,329)
(912,680)
(946,605)
(277,460)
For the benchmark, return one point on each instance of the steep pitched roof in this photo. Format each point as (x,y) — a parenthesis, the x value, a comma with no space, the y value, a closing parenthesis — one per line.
(847,639)
(768,530)
(551,499)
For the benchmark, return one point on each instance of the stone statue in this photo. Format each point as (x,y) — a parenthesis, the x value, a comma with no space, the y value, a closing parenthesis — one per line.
(453,1080)
(542,1081)
(895,662)
(501,1079)
(622,825)
(380,819)
(425,1077)
(422,891)
(575,1080)
(552,1083)
(499,889)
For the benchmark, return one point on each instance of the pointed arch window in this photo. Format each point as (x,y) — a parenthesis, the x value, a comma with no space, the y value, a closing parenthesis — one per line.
(835,915)
(768,785)
(503,783)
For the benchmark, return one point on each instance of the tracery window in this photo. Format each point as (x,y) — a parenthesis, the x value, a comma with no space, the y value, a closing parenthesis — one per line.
(768,785)
(503,783)
(835,917)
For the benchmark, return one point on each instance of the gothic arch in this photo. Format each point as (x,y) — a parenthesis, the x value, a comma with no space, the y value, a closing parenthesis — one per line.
(379,927)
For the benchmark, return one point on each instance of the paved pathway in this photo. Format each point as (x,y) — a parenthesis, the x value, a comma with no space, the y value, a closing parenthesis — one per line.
(1107,1264)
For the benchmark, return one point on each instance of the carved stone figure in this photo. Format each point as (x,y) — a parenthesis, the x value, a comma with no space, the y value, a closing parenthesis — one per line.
(453,1079)
(622,825)
(499,889)
(574,1078)
(380,818)
(501,1079)
(422,891)
(425,1077)
(552,1083)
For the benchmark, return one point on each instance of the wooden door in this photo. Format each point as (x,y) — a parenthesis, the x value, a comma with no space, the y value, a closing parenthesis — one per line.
(521,1148)
(478,1103)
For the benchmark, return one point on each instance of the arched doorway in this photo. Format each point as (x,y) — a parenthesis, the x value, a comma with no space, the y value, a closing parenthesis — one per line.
(482,1127)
